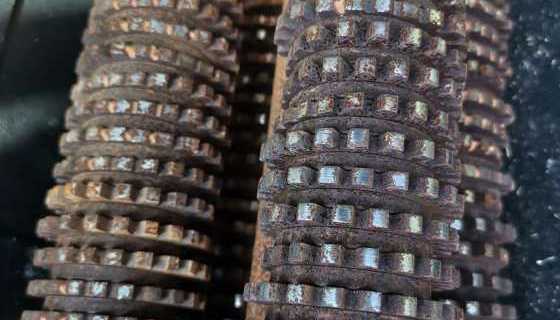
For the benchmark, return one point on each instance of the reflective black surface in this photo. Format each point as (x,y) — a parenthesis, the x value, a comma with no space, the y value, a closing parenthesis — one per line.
(39,44)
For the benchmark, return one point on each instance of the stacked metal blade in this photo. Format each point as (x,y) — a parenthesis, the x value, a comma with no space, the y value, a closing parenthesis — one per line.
(237,209)
(134,204)
(483,128)
(363,176)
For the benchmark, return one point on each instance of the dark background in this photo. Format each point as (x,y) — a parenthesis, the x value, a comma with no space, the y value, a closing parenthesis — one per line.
(40,42)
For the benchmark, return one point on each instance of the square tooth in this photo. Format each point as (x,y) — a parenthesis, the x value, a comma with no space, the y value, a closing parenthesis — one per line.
(472,308)
(135,135)
(441,229)
(301,176)
(99,163)
(489,250)
(409,10)
(358,139)
(344,214)
(392,142)
(329,175)
(325,7)
(469,196)
(383,6)
(377,218)
(403,305)
(387,103)
(362,177)
(435,17)
(369,301)
(275,213)
(401,262)
(354,5)
(441,120)
(149,195)
(423,150)
(116,134)
(295,294)
(325,105)
(457,225)
(398,70)
(378,32)
(75,287)
(408,222)
(157,26)
(159,79)
(314,34)
(147,228)
(141,259)
(122,106)
(346,31)
(332,69)
(396,181)
(122,192)
(98,191)
(145,107)
(92,134)
(428,78)
(115,79)
(176,199)
(331,254)
(480,224)
(118,225)
(428,187)
(298,253)
(308,212)
(113,257)
(298,141)
(353,101)
(167,3)
(176,169)
(147,165)
(326,138)
(465,248)
(436,268)
(124,292)
(417,111)
(91,223)
(439,46)
(96,289)
(368,258)
(365,68)
(411,37)
(331,297)
(192,116)
(136,78)
(298,112)
(428,309)
(477,280)
(308,71)
(297,10)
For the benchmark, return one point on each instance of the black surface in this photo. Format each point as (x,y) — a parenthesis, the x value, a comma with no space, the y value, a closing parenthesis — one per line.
(37,73)
(39,44)
(535,207)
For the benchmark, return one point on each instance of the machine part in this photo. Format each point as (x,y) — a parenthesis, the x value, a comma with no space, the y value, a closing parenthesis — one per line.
(362,173)
(483,126)
(134,205)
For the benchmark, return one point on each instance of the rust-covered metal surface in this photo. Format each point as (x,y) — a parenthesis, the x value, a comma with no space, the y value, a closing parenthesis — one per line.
(483,124)
(133,210)
(361,187)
